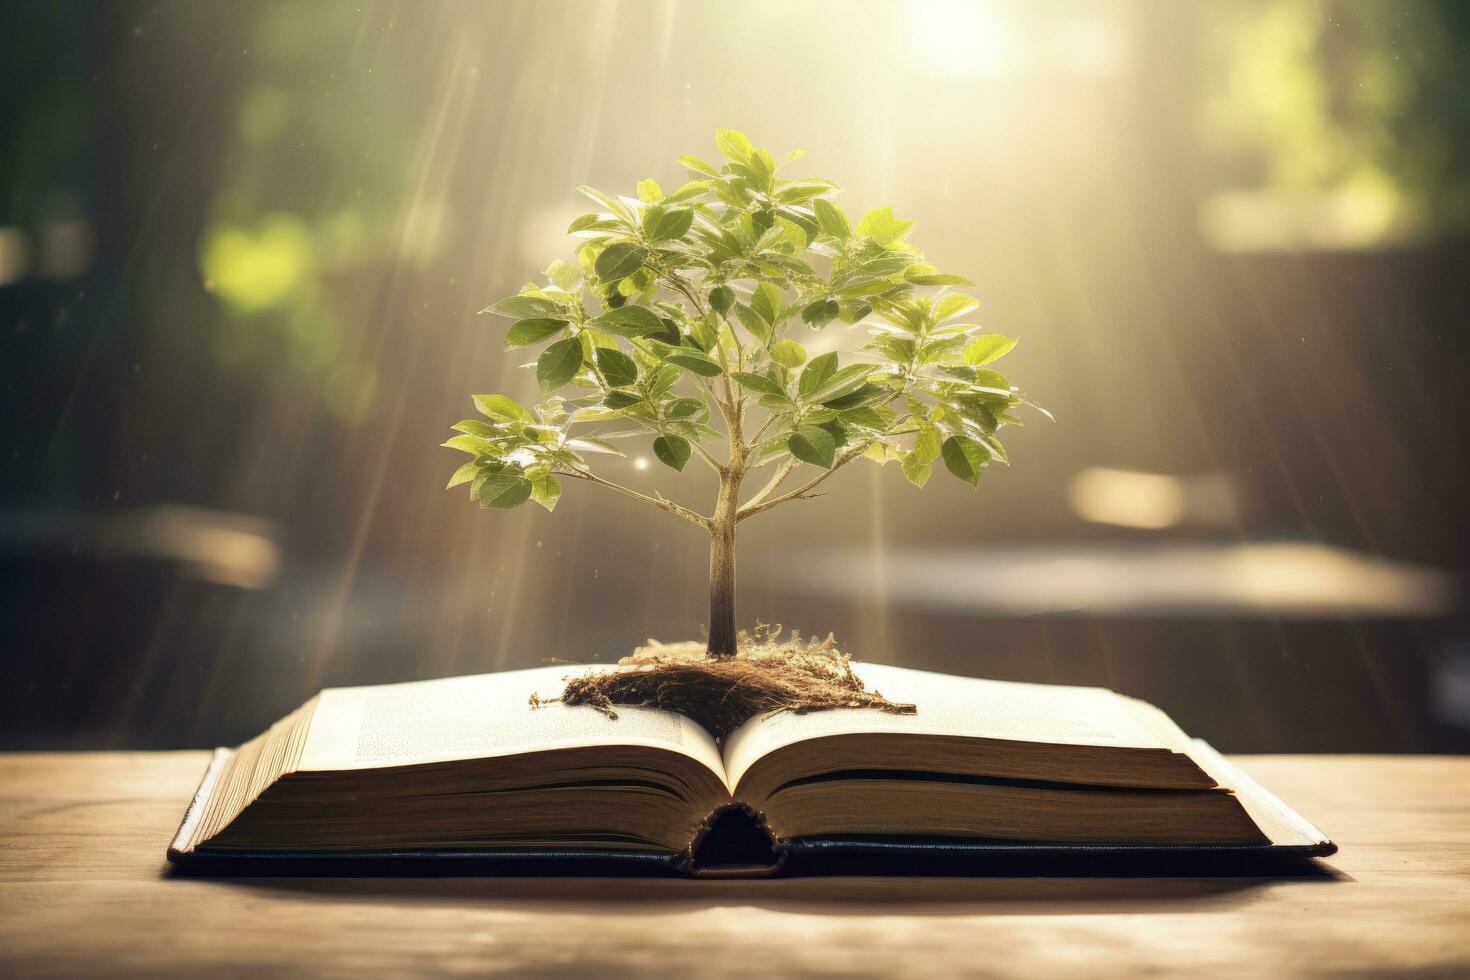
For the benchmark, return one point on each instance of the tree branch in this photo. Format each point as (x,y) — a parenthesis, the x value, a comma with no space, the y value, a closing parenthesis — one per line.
(730,407)
(706,455)
(782,472)
(755,440)
(803,492)
(659,502)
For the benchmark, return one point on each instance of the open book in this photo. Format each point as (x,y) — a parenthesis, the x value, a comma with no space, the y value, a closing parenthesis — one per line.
(468,767)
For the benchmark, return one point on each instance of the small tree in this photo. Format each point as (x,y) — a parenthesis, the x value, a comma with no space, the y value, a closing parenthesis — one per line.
(695,294)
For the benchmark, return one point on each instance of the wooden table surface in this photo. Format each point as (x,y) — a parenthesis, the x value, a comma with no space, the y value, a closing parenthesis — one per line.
(83,892)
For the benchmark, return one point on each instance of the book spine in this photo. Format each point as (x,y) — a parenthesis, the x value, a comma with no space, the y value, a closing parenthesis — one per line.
(183,839)
(706,855)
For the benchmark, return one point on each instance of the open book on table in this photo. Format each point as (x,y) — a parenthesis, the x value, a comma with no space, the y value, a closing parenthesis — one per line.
(466,768)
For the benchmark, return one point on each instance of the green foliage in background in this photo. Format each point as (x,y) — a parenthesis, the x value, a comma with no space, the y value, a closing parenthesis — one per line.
(682,321)
(1343,123)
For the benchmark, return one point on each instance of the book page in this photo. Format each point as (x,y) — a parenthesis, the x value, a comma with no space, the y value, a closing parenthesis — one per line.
(967,707)
(1279,822)
(480,716)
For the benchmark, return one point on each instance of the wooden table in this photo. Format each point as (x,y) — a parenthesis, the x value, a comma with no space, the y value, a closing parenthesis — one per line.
(83,892)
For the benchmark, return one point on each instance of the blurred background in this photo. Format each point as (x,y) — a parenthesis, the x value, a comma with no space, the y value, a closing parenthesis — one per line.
(242,246)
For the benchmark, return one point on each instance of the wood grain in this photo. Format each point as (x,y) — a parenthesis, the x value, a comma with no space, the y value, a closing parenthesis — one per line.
(83,891)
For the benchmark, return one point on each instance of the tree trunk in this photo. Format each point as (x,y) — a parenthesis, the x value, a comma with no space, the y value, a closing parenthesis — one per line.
(722,569)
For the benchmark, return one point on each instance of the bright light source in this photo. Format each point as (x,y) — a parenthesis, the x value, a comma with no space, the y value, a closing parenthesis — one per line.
(641,463)
(1151,501)
(958,38)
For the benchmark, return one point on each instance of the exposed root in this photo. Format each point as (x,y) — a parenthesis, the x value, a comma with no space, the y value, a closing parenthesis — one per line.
(766,675)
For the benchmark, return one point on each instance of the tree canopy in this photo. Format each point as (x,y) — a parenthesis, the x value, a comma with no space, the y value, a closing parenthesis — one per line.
(682,320)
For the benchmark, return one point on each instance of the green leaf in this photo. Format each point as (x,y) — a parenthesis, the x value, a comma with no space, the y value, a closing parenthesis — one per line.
(473,445)
(881,453)
(851,312)
(617,368)
(899,350)
(683,408)
(698,363)
(690,191)
(503,489)
(672,451)
(563,274)
(617,207)
(668,332)
(964,457)
(663,226)
(501,407)
(845,381)
(871,419)
(523,307)
(883,228)
(831,219)
(721,298)
(974,408)
(763,166)
(934,278)
(524,333)
(803,189)
(792,157)
(863,286)
(990,347)
(696,431)
(735,145)
(591,444)
(837,430)
(754,322)
(815,374)
(788,353)
(704,332)
(950,306)
(819,313)
(464,474)
(923,274)
(777,403)
(945,350)
(927,444)
(861,397)
(812,444)
(649,192)
(559,363)
(884,265)
(758,383)
(475,427)
(766,301)
(619,260)
(1031,404)
(628,321)
(798,227)
(691,162)
(915,470)
(993,380)
(617,400)
(546,491)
